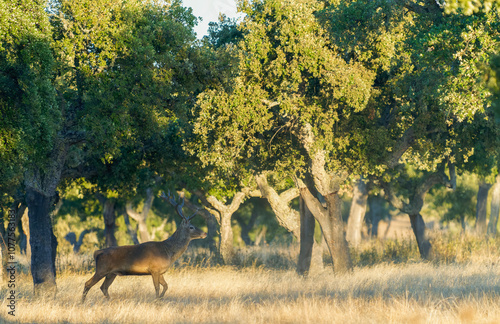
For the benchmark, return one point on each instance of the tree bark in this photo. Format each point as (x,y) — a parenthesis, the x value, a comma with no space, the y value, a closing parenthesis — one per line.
(482,199)
(108,213)
(43,241)
(223,215)
(418,226)
(226,238)
(357,213)
(334,234)
(280,203)
(307,224)
(495,208)
(141,218)
(376,209)
(332,226)
(131,231)
(327,184)
(109,222)
(25,246)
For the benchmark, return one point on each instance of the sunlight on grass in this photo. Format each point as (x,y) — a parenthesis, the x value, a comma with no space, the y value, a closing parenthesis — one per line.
(385,293)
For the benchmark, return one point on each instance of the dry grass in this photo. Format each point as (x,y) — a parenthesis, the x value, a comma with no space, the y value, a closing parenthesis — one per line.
(386,293)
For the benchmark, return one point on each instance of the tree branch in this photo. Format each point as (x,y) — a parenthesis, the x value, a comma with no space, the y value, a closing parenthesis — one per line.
(131,212)
(430,6)
(289,195)
(325,182)
(216,203)
(313,204)
(392,199)
(238,199)
(287,217)
(402,146)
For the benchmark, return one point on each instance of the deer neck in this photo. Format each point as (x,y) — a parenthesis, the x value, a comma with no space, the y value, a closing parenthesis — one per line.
(177,243)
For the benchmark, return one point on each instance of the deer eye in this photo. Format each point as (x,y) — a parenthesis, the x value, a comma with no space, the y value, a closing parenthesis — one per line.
(191,227)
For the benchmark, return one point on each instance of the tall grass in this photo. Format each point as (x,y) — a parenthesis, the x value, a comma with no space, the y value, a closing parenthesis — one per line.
(461,285)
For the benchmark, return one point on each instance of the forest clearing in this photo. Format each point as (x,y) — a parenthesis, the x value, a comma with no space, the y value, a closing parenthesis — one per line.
(310,161)
(408,292)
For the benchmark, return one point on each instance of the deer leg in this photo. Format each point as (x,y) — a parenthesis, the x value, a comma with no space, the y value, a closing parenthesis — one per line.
(164,284)
(156,282)
(90,283)
(107,282)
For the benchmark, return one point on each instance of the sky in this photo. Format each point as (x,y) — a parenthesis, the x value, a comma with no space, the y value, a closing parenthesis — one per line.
(209,10)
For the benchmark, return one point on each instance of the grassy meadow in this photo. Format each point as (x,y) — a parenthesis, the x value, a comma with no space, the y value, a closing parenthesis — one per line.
(463,287)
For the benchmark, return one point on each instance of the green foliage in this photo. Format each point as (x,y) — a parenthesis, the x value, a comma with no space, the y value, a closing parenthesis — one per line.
(287,76)
(429,77)
(29,116)
(469,7)
(457,205)
(126,95)
(224,32)
(493,78)
(265,224)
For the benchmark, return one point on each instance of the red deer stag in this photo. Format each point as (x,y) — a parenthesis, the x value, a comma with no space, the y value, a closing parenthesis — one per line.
(149,258)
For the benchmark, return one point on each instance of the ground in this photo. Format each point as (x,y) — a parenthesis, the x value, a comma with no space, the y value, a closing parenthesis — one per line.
(414,292)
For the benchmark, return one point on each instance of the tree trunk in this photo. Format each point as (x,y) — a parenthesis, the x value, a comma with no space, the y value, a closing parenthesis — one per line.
(416,202)
(495,208)
(77,244)
(131,231)
(247,227)
(142,229)
(334,234)
(307,224)
(25,246)
(327,184)
(482,199)
(141,218)
(280,203)
(357,213)
(418,226)
(332,226)
(109,222)
(223,215)
(376,210)
(226,238)
(7,242)
(43,241)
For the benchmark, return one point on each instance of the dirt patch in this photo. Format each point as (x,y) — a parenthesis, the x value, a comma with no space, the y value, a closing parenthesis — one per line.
(399,227)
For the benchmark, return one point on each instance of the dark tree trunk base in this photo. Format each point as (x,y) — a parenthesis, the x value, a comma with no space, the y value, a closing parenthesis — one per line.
(418,226)
(307,224)
(109,222)
(42,241)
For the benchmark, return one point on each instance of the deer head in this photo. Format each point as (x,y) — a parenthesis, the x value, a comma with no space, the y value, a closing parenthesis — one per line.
(193,231)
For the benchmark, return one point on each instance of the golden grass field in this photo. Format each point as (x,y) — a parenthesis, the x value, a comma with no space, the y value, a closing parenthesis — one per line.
(413,292)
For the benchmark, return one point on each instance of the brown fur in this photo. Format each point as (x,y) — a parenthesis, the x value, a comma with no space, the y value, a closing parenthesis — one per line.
(149,258)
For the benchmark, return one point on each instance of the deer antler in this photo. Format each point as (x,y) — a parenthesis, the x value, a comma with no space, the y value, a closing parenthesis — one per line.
(178,206)
(195,212)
